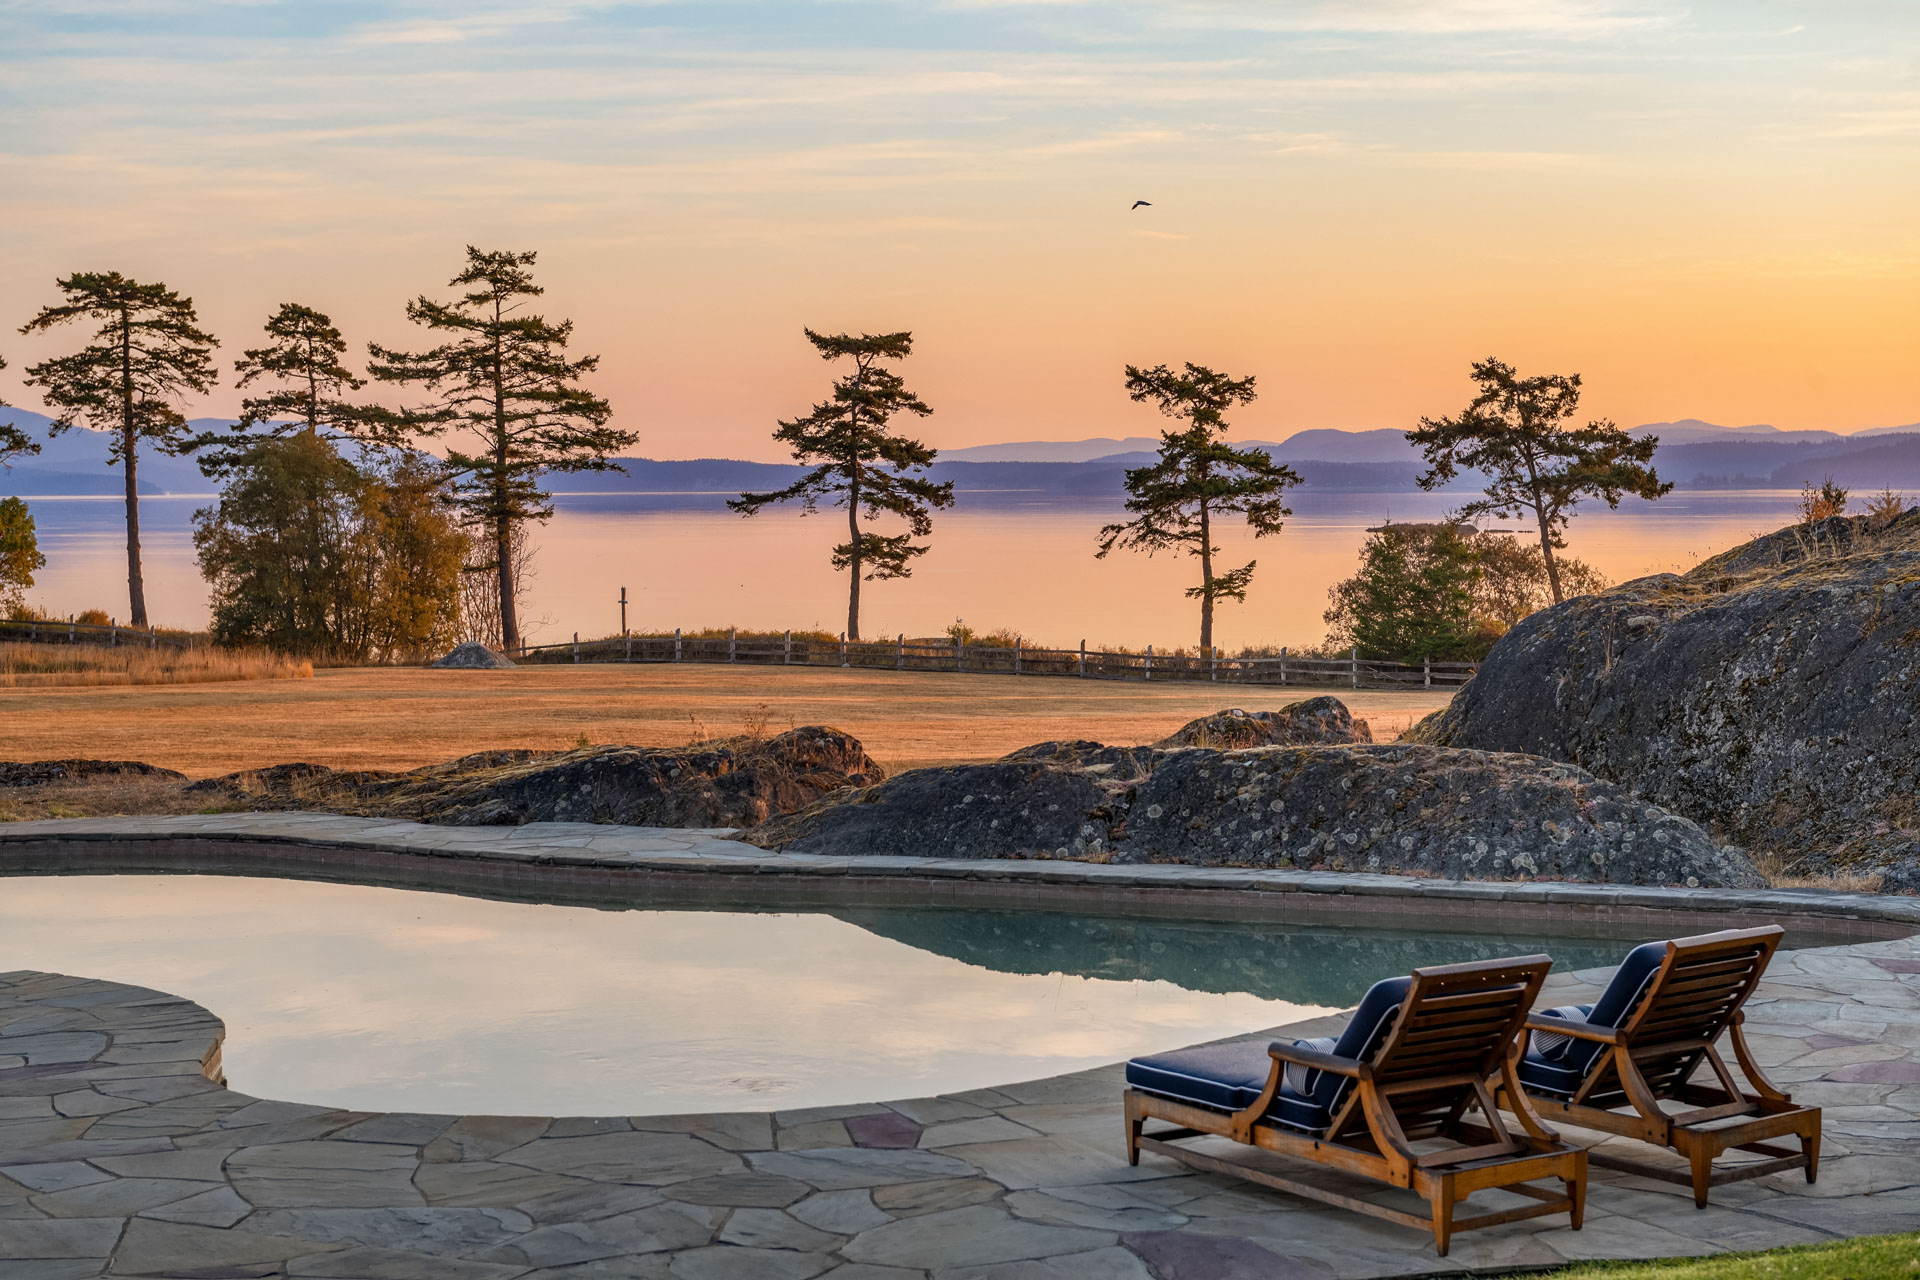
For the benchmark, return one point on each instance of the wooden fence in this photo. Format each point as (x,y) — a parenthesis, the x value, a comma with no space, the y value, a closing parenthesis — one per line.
(46,631)
(899,654)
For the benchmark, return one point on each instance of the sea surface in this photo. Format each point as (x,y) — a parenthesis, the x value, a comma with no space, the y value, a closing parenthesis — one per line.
(1024,562)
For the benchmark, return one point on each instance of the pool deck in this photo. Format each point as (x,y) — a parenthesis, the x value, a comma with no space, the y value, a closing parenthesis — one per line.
(121,1155)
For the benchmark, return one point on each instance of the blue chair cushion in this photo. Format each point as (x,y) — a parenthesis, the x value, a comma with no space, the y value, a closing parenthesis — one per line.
(1616,1004)
(1557,1079)
(1224,1077)
(1230,1077)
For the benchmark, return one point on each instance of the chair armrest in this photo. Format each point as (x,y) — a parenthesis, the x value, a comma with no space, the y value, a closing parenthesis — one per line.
(1578,1030)
(1283,1052)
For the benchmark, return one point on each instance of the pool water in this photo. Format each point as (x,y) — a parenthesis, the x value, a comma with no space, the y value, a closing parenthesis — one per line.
(386,999)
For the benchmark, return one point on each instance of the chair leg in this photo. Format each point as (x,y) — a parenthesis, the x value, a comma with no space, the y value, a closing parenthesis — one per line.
(1810,1146)
(1577,1192)
(1135,1123)
(1700,1155)
(1443,1213)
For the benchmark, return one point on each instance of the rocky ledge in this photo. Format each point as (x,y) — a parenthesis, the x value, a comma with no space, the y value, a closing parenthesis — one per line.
(734,783)
(1353,807)
(1769,694)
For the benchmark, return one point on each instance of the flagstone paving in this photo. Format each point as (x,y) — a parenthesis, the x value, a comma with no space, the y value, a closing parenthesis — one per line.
(121,1154)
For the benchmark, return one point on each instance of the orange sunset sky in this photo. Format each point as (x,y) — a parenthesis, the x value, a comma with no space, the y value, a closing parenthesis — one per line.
(1708,209)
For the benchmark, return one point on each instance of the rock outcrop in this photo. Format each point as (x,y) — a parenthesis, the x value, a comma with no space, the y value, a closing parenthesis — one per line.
(43,773)
(1353,807)
(733,783)
(473,656)
(1314,722)
(1769,694)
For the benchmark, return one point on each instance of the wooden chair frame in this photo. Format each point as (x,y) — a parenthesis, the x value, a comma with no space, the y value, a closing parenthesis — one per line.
(1466,1017)
(1706,981)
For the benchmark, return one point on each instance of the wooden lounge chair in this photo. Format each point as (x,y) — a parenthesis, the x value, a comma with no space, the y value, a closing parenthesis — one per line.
(1609,1066)
(1412,1062)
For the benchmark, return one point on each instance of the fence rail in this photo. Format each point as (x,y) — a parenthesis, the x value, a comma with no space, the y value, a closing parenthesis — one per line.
(900,654)
(46,631)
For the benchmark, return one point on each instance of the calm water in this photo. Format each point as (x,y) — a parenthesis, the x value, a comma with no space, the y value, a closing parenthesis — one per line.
(997,561)
(396,999)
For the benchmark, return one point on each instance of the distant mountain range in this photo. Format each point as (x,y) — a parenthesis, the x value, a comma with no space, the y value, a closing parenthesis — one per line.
(1693,453)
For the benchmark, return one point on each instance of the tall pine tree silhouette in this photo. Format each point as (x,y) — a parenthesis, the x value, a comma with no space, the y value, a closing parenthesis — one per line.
(147,351)
(860,464)
(503,377)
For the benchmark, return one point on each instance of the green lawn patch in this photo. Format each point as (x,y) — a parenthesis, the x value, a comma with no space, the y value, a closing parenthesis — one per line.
(1868,1258)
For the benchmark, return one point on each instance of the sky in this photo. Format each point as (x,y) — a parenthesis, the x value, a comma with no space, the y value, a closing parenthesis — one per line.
(1707,209)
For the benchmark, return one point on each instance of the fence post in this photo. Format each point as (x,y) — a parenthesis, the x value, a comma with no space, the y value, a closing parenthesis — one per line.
(116,636)
(1213,663)
(629,639)
(843,648)
(1426,671)
(900,653)
(153,641)
(1356,666)
(1283,664)
(959,654)
(576,646)
(786,655)
(1083,658)
(1149,674)
(676,644)
(69,628)
(1016,655)
(732,650)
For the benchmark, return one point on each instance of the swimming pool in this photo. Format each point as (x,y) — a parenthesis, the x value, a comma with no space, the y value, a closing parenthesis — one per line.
(397,999)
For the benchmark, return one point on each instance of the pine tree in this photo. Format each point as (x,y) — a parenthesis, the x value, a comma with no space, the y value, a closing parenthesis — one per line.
(1514,432)
(504,377)
(1198,478)
(14,442)
(147,351)
(307,386)
(861,464)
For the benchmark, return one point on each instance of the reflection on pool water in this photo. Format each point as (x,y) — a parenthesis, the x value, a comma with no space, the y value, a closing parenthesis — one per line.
(398,999)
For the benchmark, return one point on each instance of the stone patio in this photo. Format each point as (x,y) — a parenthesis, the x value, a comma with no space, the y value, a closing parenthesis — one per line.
(120,1156)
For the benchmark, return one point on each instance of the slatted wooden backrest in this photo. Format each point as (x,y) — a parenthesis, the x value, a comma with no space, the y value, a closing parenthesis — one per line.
(1455,1028)
(1691,999)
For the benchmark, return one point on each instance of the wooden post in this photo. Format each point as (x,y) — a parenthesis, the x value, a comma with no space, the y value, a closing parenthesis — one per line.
(1149,674)
(576,646)
(1426,671)
(676,644)
(116,636)
(69,628)
(1016,655)
(153,641)
(786,653)
(843,648)
(732,648)
(1356,666)
(628,637)
(1083,657)
(900,653)
(959,654)
(1213,663)
(623,611)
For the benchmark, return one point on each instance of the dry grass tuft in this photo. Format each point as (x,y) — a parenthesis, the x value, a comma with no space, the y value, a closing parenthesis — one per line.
(25,666)
(1782,874)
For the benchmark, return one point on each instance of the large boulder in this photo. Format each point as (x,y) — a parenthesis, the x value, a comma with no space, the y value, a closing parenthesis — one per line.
(733,783)
(1356,807)
(1768,694)
(1314,722)
(473,656)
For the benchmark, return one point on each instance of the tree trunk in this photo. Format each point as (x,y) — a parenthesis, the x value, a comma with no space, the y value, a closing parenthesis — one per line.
(136,585)
(1206,580)
(503,551)
(853,558)
(1546,553)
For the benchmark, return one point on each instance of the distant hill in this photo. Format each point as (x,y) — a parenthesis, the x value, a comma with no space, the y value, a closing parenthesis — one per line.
(1693,453)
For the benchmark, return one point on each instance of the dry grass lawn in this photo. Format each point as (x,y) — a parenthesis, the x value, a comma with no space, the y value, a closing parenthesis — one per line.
(394,718)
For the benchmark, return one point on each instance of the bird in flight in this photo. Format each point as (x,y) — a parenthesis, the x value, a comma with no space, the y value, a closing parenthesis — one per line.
(1140,204)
